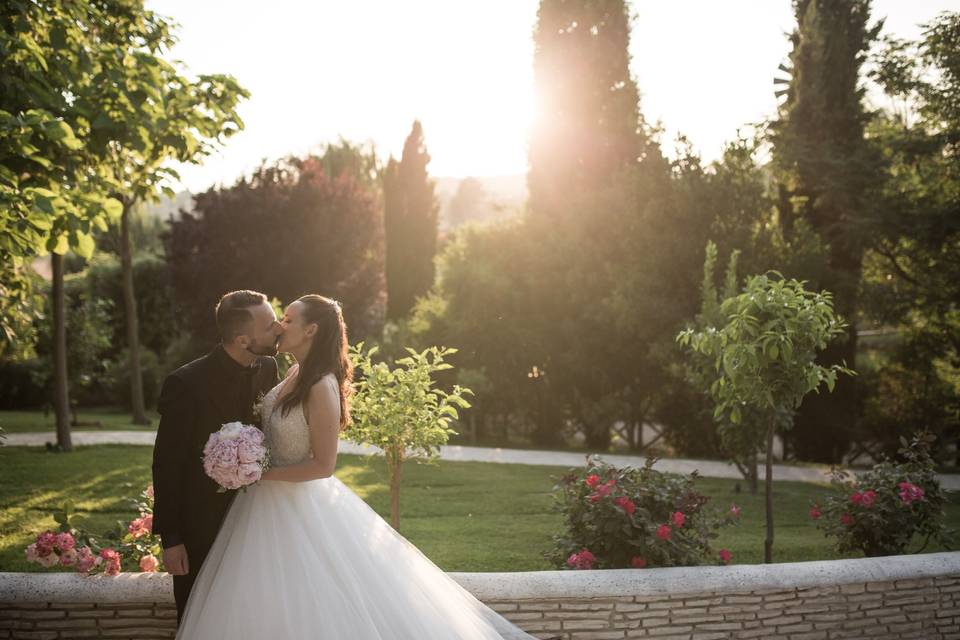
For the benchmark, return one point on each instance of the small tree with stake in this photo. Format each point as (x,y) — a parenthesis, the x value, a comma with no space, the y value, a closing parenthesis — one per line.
(400,411)
(765,358)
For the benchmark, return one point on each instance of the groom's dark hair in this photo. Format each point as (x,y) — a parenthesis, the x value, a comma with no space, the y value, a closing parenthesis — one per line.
(233,312)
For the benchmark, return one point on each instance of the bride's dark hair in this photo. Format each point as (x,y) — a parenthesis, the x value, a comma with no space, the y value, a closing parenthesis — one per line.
(329,353)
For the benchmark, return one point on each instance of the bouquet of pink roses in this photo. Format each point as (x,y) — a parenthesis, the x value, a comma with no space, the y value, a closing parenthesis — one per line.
(235,456)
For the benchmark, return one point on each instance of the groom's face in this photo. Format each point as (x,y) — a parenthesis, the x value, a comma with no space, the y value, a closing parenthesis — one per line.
(265,332)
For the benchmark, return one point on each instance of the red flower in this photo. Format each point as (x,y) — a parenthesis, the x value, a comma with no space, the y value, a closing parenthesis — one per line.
(679,519)
(582,560)
(626,504)
(663,532)
(602,491)
(815,512)
(592,480)
(868,498)
(910,493)
(734,511)
(846,519)
(638,562)
(725,556)
(856,498)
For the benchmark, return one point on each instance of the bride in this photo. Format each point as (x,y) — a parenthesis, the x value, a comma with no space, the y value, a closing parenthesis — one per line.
(299,555)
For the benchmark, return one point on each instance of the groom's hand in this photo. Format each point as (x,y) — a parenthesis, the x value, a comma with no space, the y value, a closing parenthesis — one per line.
(175,560)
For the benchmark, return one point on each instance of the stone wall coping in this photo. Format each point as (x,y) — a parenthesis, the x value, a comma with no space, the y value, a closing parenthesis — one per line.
(579,585)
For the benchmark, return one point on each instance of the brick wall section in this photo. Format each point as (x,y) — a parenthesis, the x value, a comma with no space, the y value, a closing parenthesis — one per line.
(56,620)
(925,608)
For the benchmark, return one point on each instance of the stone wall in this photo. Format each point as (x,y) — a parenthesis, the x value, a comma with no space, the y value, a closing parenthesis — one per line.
(897,597)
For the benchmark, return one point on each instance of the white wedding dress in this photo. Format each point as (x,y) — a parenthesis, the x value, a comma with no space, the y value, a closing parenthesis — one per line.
(299,560)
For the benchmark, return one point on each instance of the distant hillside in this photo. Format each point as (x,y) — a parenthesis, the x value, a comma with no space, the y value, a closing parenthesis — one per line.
(501,197)
(170,207)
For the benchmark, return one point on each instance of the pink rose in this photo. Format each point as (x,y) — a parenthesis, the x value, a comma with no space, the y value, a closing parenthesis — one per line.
(734,511)
(856,498)
(68,557)
(592,480)
(910,493)
(31,552)
(212,442)
(626,504)
(846,519)
(868,498)
(112,560)
(725,556)
(249,473)
(149,563)
(252,434)
(46,541)
(137,528)
(49,560)
(65,541)
(86,560)
(248,452)
(582,560)
(638,562)
(679,519)
(663,532)
(815,512)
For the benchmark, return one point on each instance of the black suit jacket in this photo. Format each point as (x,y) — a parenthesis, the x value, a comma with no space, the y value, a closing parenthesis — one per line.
(196,400)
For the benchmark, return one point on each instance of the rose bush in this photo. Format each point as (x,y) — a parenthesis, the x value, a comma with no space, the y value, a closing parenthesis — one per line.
(634,517)
(881,511)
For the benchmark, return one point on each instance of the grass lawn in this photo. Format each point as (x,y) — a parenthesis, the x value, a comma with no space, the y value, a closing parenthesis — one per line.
(100,418)
(466,516)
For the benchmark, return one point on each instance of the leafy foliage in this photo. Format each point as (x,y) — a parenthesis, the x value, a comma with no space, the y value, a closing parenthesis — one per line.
(880,512)
(633,517)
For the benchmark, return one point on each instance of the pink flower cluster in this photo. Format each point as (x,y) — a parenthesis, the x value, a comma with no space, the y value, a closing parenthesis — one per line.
(864,498)
(53,549)
(600,491)
(112,561)
(235,456)
(678,519)
(725,556)
(910,493)
(582,560)
(141,526)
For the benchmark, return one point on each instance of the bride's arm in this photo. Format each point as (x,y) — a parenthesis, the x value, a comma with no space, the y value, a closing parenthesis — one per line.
(323,418)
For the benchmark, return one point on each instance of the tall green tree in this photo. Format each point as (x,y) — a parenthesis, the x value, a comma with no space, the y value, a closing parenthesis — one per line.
(162,116)
(410,224)
(763,357)
(912,268)
(587,126)
(56,182)
(827,170)
(317,232)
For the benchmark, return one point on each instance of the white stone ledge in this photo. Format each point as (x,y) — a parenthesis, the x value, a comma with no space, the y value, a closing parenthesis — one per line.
(574,585)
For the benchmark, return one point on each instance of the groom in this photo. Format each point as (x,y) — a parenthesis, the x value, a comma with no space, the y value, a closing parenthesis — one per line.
(196,400)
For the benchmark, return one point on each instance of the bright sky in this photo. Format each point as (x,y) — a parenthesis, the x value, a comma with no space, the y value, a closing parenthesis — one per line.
(365,69)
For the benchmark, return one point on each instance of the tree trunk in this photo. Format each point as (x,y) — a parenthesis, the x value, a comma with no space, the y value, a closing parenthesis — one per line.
(133,325)
(768,543)
(394,463)
(61,392)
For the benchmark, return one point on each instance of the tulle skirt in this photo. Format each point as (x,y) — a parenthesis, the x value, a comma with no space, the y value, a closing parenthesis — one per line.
(313,560)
